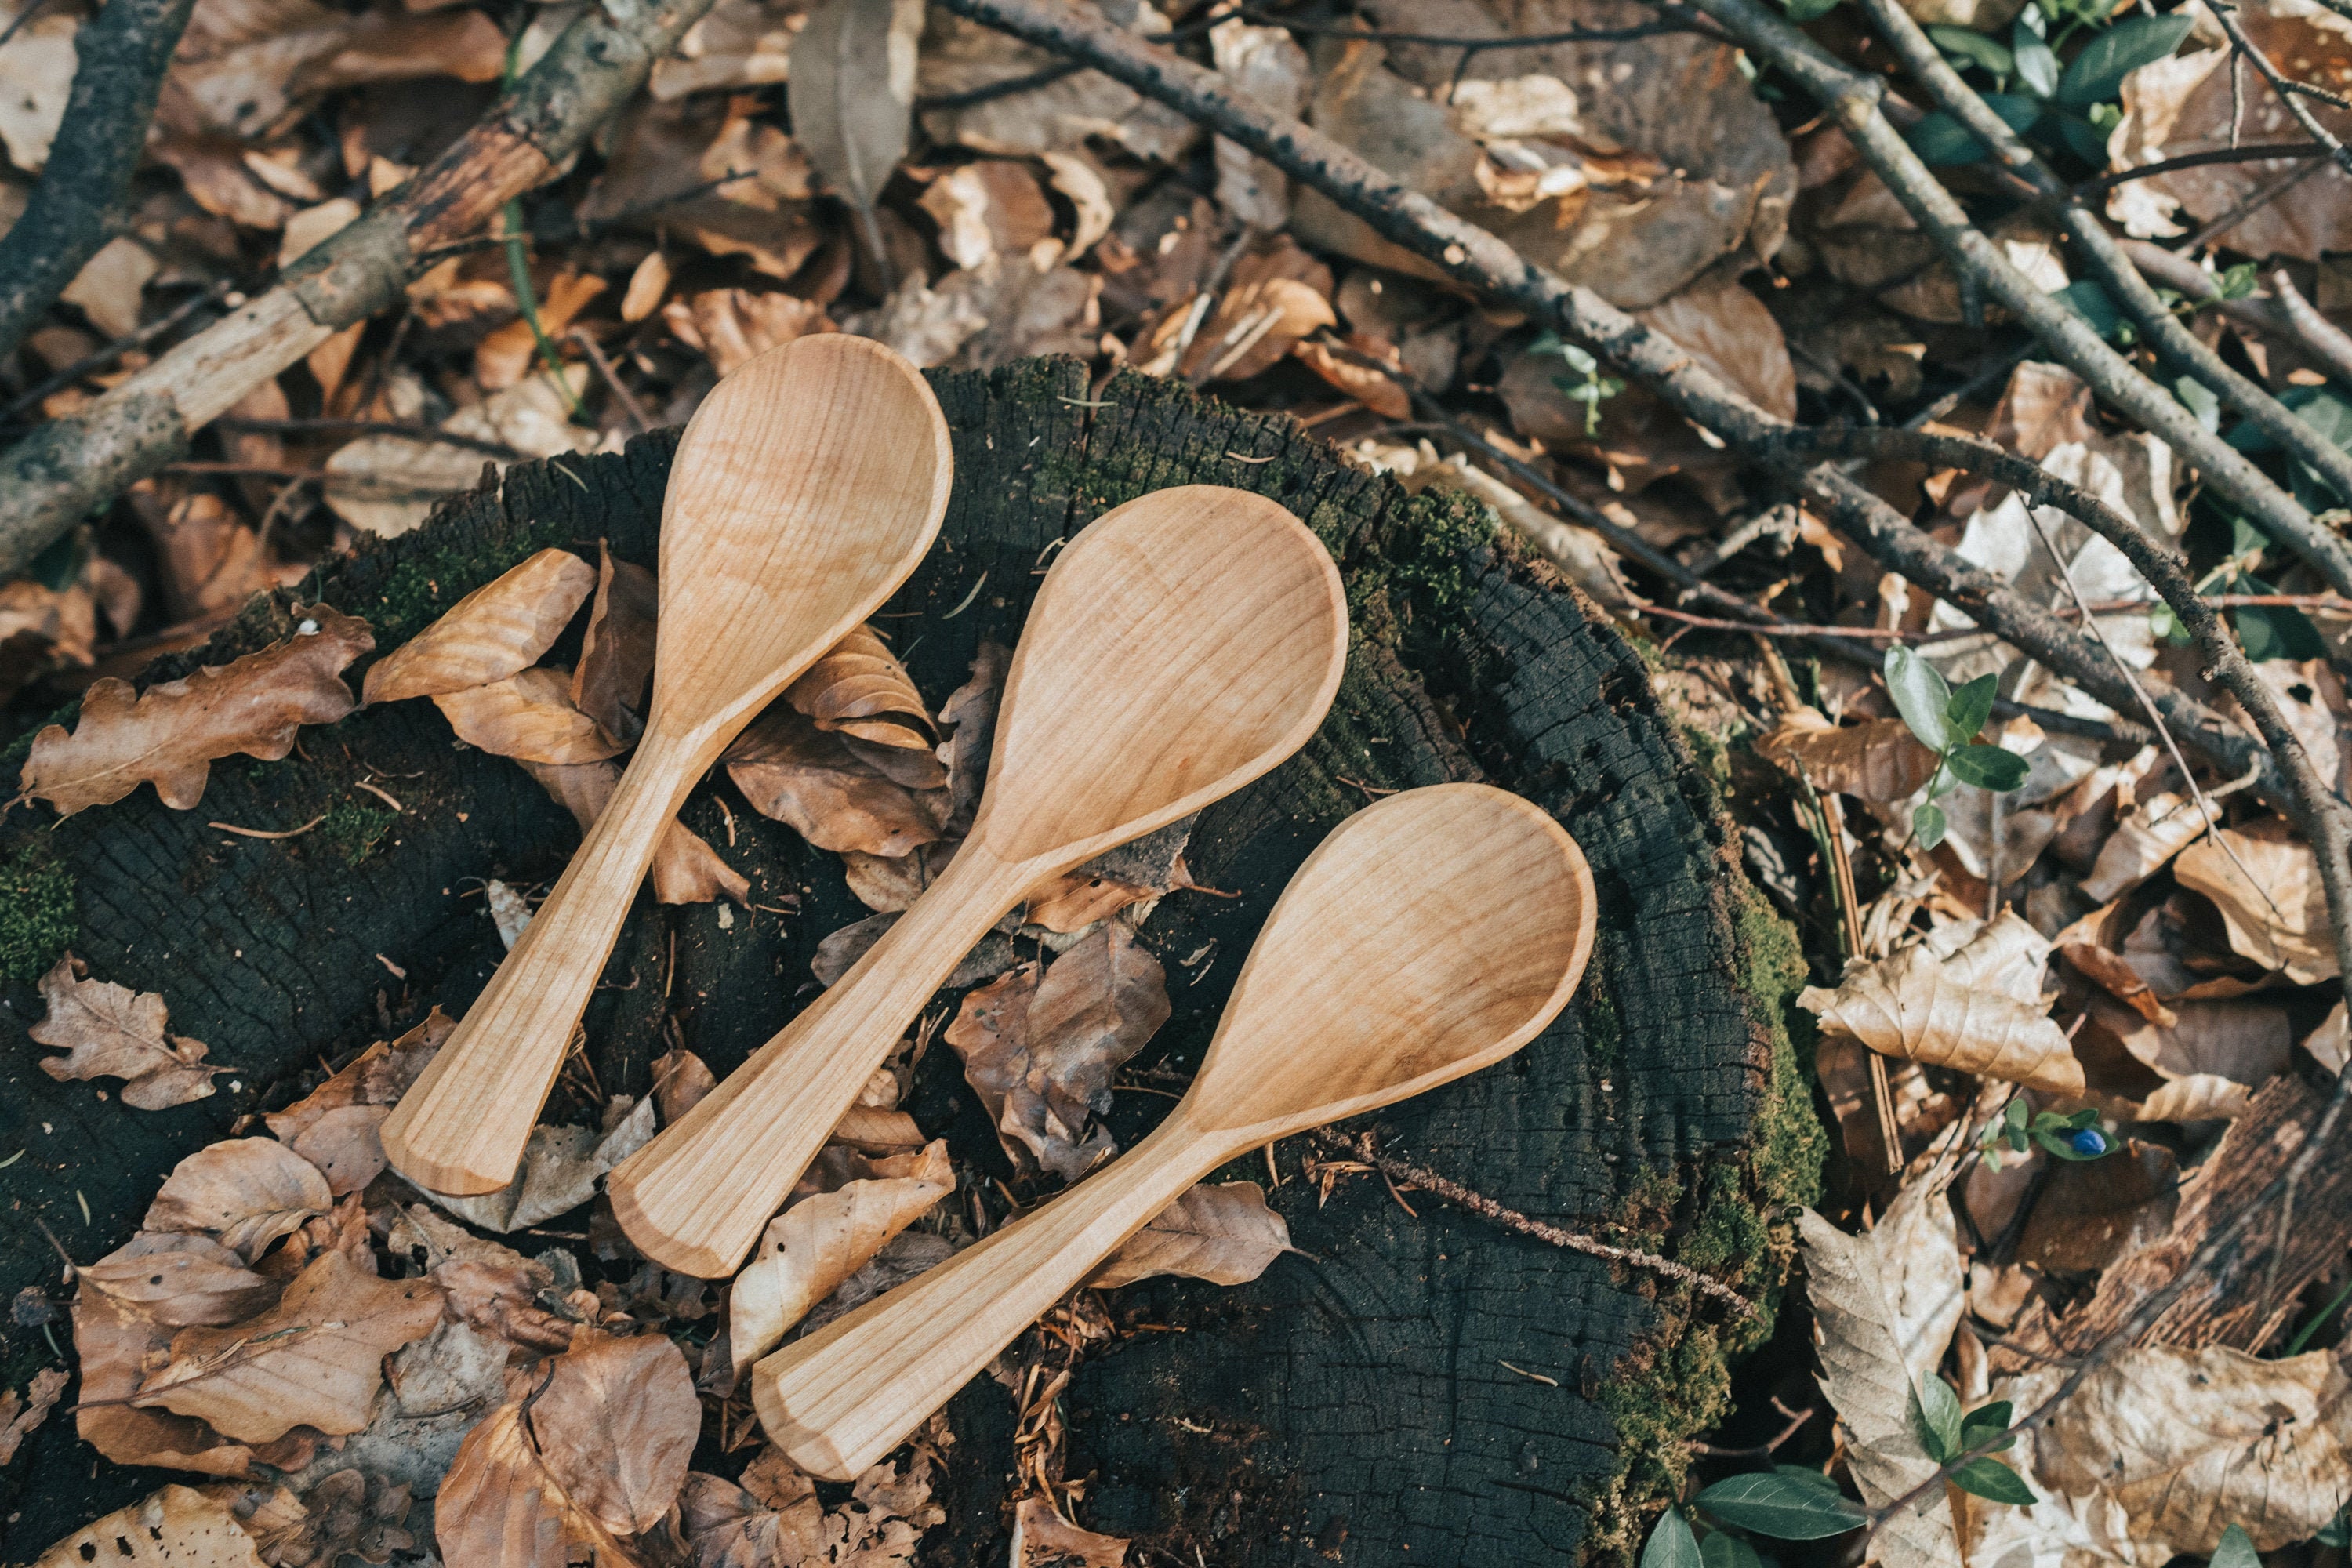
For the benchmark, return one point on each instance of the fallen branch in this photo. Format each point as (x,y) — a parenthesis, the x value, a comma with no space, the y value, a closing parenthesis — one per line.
(72,466)
(123,54)
(2264,311)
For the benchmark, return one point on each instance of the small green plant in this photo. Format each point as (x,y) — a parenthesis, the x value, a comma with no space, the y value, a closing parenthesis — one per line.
(1947,721)
(2235,1550)
(1946,1431)
(1589,386)
(2074,1136)
(2070,105)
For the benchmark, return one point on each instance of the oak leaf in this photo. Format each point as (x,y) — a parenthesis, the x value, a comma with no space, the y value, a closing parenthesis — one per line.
(316,1359)
(529,717)
(1040,1050)
(176,1527)
(1226,1235)
(616,653)
(170,735)
(1878,759)
(860,689)
(1905,1006)
(1042,1538)
(814,1245)
(115,1032)
(245,1192)
(498,630)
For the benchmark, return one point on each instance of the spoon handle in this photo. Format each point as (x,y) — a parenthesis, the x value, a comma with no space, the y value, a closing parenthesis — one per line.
(697,1197)
(840,1399)
(462,1128)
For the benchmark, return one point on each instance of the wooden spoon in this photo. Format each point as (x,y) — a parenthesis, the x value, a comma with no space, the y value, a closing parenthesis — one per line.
(1181,645)
(805,491)
(1431,935)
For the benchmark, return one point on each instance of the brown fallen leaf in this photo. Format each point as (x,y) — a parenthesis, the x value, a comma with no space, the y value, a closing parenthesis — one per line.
(244,1192)
(860,689)
(169,734)
(529,717)
(2142,842)
(686,869)
(2280,919)
(1905,1006)
(315,1358)
(498,630)
(1072,903)
(2246,1040)
(348,1511)
(733,325)
(814,1245)
(681,1079)
(1879,759)
(20,1414)
(833,790)
(509,353)
(1382,393)
(2091,1212)
(176,1527)
(889,883)
(593,1446)
(180,1280)
(560,1168)
(490,1287)
(1040,1050)
(773,1518)
(336,1125)
(115,1032)
(1042,1538)
(1224,1234)
(1275,296)
(617,654)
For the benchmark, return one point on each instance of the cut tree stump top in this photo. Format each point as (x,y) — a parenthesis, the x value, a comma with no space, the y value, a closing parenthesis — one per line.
(1354,1403)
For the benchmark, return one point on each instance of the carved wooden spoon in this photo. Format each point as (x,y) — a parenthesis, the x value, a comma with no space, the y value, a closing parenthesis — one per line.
(1181,645)
(1431,935)
(805,489)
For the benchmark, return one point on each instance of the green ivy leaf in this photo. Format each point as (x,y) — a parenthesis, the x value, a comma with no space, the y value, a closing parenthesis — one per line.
(1781,1507)
(1974,47)
(1988,767)
(1807,10)
(1721,1550)
(1672,1544)
(1936,1416)
(1929,823)
(1941,141)
(2099,70)
(2085,136)
(2198,399)
(2037,66)
(1994,1481)
(2337,1531)
(1969,707)
(2090,301)
(1986,1420)
(1923,696)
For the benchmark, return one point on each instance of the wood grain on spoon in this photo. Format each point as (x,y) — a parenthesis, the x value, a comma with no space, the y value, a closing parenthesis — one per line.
(805,491)
(1180,647)
(1431,935)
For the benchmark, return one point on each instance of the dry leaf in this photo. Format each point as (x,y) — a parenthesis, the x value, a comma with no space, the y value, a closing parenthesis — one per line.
(376,1079)
(498,630)
(176,1527)
(616,654)
(1040,1051)
(115,1032)
(1043,1538)
(595,1446)
(890,883)
(774,1520)
(814,1245)
(970,715)
(112,284)
(733,325)
(852,92)
(248,1192)
(19,1414)
(180,1280)
(681,1079)
(1728,328)
(1905,1006)
(1273,297)
(860,689)
(834,790)
(686,870)
(169,734)
(527,717)
(994,207)
(388,485)
(1380,394)
(1878,759)
(1868,1378)
(1226,1235)
(315,1358)
(558,1171)
(509,353)
(347,1511)
(491,1287)
(2280,919)
(1266,67)
(36,73)
(2141,845)
(2089,1213)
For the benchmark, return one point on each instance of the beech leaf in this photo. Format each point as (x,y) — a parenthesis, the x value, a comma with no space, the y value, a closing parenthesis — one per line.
(686,869)
(498,630)
(616,653)
(529,717)
(316,1359)
(1881,760)
(2280,919)
(176,1527)
(1226,1235)
(245,1192)
(115,1032)
(774,1517)
(170,735)
(859,687)
(814,1245)
(852,92)
(1905,1006)
(834,795)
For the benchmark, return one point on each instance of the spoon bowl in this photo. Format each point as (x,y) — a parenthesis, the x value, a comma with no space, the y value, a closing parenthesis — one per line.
(805,489)
(1429,936)
(1181,645)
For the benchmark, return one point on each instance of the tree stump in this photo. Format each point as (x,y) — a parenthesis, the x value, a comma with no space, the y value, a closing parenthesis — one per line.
(1406,1388)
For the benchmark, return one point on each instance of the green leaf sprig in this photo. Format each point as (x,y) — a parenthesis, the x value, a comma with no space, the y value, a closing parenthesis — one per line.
(1587,386)
(1946,722)
(1946,1433)
(2076,1135)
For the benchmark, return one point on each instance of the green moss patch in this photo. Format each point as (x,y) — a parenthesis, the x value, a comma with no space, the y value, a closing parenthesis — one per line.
(36,912)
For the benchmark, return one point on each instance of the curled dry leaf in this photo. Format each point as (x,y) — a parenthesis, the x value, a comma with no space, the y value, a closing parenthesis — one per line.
(176,1527)
(491,1287)
(774,1519)
(20,1414)
(686,870)
(1907,1005)
(1040,1050)
(560,1168)
(529,717)
(180,1280)
(338,1125)
(814,1245)
(681,1079)
(246,1192)
(2280,919)
(2142,843)
(594,1447)
(1226,1235)
(316,1359)
(733,325)
(616,654)
(1042,1538)
(860,689)
(498,630)
(115,1032)
(1273,299)
(889,883)
(169,734)
(833,792)
(1879,759)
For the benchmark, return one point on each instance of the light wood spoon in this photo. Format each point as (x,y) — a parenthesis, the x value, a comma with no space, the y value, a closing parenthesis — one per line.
(805,489)
(1180,646)
(1429,936)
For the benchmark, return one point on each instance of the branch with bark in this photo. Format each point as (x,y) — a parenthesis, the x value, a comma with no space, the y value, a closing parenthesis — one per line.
(71,466)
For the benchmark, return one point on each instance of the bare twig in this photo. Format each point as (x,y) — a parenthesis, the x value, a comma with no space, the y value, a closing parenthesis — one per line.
(2266,312)
(2254,202)
(424,435)
(92,364)
(122,55)
(2253,152)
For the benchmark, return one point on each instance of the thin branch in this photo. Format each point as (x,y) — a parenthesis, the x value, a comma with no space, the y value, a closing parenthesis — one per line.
(425,434)
(122,55)
(1685,23)
(92,364)
(2290,93)
(2265,312)
(2254,153)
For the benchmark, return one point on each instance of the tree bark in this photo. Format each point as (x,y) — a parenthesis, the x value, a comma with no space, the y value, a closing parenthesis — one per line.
(1351,1404)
